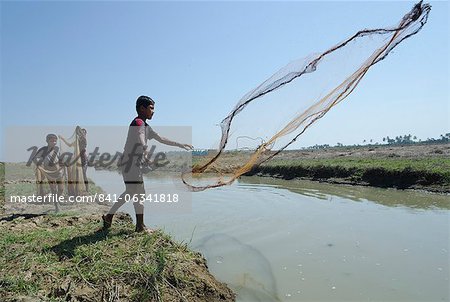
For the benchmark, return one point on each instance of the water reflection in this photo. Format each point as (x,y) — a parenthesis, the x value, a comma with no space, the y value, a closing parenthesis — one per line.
(245,268)
(277,240)
(325,191)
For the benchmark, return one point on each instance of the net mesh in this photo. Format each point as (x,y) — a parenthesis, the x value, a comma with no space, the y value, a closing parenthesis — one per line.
(76,164)
(371,45)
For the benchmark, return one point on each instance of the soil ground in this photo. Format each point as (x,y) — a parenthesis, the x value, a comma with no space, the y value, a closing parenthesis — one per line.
(67,257)
(415,166)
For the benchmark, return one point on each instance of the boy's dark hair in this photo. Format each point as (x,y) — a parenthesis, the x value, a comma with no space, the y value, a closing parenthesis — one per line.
(144,101)
(49,136)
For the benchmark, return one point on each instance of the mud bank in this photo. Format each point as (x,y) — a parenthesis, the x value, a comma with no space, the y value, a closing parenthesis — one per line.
(67,258)
(406,178)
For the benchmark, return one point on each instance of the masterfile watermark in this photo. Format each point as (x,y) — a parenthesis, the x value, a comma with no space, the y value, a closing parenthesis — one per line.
(104,160)
(52,166)
(97,198)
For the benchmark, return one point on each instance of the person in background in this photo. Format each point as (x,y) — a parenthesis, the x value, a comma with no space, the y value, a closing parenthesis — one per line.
(78,183)
(49,169)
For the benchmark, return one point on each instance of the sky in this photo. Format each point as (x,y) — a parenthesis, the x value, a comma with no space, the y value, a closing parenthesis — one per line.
(85,63)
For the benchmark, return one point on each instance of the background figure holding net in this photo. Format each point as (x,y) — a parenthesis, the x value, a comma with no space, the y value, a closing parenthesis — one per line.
(77,182)
(49,169)
(134,157)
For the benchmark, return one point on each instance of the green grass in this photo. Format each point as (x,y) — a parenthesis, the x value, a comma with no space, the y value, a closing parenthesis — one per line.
(439,166)
(33,261)
(430,164)
(2,186)
(16,173)
(28,189)
(53,257)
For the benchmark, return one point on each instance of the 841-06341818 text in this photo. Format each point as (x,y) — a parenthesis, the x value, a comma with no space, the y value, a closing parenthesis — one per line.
(154,198)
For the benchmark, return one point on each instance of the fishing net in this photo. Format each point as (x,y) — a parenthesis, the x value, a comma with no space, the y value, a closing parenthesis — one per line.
(342,66)
(76,163)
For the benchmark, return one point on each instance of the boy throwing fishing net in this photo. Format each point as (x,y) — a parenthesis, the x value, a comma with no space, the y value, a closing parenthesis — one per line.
(134,157)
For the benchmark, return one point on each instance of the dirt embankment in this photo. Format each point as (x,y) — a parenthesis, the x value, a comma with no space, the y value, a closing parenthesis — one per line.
(66,258)
(424,167)
(372,151)
(376,177)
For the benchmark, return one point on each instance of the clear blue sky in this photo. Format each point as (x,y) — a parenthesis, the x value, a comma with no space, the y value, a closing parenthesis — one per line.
(70,63)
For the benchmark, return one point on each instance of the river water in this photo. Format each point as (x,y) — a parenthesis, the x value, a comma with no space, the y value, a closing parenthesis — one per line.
(276,240)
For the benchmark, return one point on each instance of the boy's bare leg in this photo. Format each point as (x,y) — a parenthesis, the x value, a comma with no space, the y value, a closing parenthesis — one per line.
(40,181)
(60,190)
(40,186)
(86,182)
(56,207)
(139,210)
(138,189)
(53,190)
(132,188)
(52,186)
(140,225)
(107,219)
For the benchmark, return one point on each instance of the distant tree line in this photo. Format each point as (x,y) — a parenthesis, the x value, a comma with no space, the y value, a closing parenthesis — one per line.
(409,139)
(406,139)
(316,147)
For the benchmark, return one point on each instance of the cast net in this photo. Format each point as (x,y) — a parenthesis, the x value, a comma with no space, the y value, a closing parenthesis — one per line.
(75,165)
(302,92)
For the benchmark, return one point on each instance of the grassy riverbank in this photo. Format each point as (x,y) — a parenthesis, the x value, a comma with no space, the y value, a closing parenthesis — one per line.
(425,167)
(65,257)
(19,180)
(2,188)
(420,173)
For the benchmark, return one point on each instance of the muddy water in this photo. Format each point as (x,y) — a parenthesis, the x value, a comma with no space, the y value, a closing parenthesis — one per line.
(274,240)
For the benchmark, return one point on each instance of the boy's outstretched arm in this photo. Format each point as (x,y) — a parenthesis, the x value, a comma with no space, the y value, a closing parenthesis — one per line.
(166,141)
